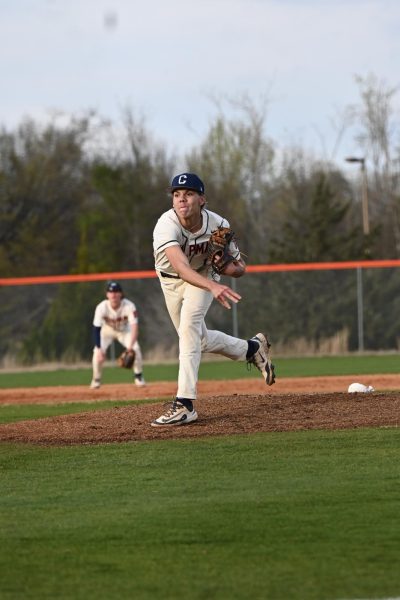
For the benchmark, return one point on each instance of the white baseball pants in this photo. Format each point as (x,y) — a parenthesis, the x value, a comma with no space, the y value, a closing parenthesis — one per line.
(187,306)
(107,336)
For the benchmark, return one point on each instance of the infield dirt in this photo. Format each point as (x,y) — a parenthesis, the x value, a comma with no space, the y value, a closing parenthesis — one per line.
(224,408)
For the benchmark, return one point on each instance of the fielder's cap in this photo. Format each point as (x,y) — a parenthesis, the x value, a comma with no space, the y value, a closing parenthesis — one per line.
(113,286)
(187,181)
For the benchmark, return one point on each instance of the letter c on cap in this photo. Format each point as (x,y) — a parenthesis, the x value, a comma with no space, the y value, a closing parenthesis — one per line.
(182,179)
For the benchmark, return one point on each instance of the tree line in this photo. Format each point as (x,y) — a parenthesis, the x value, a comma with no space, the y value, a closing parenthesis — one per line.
(84,196)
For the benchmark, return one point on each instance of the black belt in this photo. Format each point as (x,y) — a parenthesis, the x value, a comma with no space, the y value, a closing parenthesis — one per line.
(169,275)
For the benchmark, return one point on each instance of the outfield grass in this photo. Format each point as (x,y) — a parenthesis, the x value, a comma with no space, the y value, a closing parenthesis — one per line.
(306,515)
(285,367)
(302,516)
(21,412)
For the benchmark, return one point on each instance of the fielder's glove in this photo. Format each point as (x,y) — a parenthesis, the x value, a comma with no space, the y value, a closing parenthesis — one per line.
(219,249)
(126,359)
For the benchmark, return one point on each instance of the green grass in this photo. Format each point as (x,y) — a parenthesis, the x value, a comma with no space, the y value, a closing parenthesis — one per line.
(83,376)
(285,367)
(21,412)
(306,515)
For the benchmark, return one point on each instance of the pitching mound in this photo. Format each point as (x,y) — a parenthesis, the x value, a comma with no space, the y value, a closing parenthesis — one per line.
(226,413)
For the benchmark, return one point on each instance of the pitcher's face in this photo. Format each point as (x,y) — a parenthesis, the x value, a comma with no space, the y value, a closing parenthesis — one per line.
(187,204)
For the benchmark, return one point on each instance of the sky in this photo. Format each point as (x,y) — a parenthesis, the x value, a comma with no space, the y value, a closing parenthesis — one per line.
(172,61)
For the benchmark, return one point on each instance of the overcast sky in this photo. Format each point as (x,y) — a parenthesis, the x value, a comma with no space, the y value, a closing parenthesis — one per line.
(166,58)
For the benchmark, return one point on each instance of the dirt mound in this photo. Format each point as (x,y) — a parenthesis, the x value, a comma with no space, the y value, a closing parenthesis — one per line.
(231,412)
(167,389)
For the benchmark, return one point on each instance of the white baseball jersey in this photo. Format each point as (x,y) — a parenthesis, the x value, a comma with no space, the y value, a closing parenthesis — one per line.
(120,319)
(169,232)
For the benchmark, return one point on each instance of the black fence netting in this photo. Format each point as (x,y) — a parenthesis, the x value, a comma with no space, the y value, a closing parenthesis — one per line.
(329,311)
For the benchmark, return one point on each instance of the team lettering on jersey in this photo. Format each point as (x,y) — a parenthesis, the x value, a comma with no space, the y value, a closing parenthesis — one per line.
(195,249)
(119,324)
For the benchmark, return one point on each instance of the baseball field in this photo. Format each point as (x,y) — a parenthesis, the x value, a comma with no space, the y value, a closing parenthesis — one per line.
(288,492)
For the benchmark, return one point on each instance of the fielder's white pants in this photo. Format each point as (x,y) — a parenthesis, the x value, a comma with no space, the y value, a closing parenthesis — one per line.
(107,336)
(187,306)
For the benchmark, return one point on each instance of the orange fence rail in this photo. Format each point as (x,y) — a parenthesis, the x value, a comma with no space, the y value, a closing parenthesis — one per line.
(324,266)
(77,278)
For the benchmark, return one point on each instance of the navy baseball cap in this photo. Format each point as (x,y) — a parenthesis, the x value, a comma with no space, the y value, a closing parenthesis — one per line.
(113,286)
(187,181)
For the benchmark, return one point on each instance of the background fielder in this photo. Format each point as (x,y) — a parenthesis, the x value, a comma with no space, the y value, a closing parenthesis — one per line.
(180,240)
(115,318)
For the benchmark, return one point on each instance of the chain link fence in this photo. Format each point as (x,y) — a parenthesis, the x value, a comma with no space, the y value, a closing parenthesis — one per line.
(329,311)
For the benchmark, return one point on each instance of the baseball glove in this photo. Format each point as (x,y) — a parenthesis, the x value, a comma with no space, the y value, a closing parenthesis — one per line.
(219,253)
(126,359)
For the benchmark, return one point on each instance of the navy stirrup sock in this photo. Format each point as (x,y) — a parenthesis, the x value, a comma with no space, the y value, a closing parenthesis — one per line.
(252,349)
(187,403)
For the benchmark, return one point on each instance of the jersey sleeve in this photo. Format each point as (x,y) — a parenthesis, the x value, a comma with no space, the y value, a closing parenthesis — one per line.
(234,250)
(233,247)
(166,233)
(132,313)
(99,315)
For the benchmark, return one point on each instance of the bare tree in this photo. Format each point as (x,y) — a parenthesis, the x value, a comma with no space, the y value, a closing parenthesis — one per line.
(377,136)
(236,161)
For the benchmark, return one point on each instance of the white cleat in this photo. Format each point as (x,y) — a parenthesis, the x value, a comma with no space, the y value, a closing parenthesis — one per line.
(261,359)
(95,384)
(139,380)
(177,414)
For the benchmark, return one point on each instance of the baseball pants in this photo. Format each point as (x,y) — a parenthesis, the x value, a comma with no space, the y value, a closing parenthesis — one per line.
(187,306)
(107,336)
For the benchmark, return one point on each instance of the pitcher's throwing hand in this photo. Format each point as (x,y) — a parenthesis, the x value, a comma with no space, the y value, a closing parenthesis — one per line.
(225,295)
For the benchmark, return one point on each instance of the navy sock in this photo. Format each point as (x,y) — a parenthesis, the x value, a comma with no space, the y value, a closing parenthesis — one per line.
(187,403)
(252,349)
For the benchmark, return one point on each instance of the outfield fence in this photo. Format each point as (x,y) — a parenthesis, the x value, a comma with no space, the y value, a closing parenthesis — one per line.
(357,300)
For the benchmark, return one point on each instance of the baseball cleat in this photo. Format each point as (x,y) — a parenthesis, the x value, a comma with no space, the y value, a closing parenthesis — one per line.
(95,384)
(262,360)
(177,414)
(139,380)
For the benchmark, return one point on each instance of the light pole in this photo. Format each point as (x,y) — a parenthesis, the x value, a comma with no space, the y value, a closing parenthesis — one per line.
(364,194)
(365,215)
